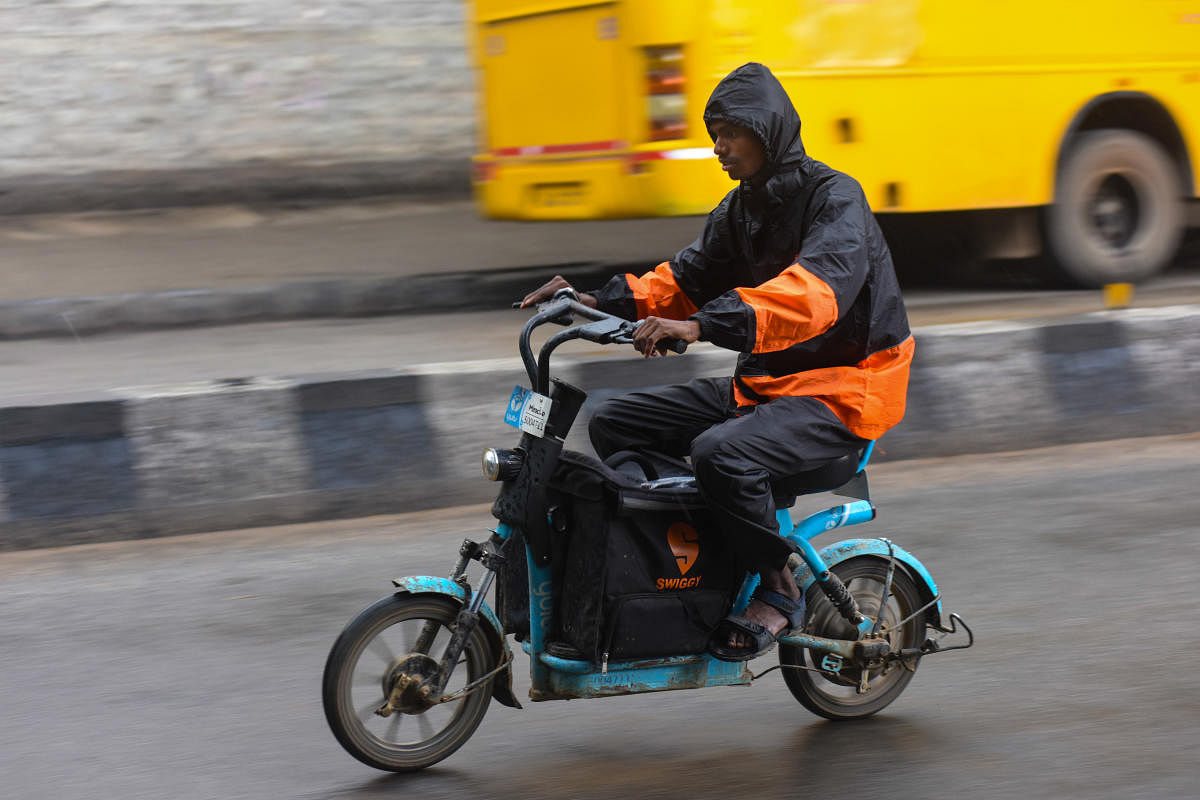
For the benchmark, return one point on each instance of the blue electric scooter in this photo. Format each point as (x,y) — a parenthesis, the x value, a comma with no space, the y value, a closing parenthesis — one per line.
(410,678)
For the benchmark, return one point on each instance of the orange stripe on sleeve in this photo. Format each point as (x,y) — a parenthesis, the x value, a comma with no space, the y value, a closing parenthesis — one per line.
(657,294)
(868,397)
(792,307)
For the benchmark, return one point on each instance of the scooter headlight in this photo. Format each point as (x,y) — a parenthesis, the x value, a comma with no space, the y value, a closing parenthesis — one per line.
(502,465)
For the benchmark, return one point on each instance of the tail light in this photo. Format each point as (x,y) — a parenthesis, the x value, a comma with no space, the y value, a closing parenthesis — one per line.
(483,171)
(666,99)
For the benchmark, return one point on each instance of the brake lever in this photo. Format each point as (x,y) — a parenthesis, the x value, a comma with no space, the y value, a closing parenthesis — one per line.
(566,292)
(566,318)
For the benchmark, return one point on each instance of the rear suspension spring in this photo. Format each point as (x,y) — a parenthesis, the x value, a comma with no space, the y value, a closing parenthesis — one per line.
(840,596)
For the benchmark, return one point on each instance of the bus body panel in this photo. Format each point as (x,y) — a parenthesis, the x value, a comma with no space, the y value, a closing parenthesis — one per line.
(932,105)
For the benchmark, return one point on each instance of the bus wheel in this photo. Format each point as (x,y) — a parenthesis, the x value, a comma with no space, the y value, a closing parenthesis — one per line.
(1118,210)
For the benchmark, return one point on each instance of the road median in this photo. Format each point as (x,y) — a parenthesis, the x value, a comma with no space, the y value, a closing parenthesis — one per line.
(210,455)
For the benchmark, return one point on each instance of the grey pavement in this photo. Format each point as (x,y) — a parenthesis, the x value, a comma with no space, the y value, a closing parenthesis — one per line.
(78,273)
(74,275)
(108,433)
(239,247)
(97,301)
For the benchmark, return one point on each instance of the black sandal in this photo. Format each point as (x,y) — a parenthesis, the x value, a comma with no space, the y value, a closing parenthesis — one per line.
(764,640)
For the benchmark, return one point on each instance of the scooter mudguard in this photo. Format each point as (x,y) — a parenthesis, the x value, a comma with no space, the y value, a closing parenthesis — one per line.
(429,584)
(854,548)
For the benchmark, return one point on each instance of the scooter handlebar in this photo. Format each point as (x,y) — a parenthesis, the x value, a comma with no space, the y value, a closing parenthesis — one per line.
(603,328)
(623,335)
(674,345)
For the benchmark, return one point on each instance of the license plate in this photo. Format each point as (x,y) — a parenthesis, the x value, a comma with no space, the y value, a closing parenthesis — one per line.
(528,411)
(558,195)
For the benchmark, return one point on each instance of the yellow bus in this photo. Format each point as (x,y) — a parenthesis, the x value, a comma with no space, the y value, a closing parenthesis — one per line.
(1080,120)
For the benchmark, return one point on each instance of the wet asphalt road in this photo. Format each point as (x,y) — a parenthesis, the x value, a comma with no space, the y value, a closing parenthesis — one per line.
(190,667)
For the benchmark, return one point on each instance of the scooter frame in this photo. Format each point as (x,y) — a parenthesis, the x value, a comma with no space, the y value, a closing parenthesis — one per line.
(556,678)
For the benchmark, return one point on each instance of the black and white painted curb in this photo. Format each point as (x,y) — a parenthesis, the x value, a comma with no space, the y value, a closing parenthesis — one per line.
(154,461)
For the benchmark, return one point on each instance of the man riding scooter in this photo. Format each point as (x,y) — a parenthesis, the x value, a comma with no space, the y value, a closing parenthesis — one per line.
(791,271)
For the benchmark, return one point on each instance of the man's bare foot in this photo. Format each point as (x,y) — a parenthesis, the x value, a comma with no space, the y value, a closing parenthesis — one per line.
(763,614)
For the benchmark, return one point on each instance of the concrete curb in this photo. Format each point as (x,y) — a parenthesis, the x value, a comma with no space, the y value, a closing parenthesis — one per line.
(156,461)
(144,311)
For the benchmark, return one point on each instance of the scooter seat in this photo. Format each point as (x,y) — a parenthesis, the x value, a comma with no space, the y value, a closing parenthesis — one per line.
(827,477)
(664,472)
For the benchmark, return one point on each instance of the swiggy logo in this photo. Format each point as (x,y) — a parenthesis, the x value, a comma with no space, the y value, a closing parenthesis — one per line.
(684,542)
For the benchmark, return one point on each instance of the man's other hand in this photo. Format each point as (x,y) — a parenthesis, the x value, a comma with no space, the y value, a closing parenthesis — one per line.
(547,290)
(654,329)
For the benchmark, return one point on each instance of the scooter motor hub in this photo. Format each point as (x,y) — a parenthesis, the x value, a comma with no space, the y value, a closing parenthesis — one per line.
(403,685)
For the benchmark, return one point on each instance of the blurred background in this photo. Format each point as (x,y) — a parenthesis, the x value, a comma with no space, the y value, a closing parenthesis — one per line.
(133,105)
(980,136)
(256,268)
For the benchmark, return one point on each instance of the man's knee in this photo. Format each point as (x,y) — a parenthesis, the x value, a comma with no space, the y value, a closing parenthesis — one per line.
(602,427)
(708,455)
(719,462)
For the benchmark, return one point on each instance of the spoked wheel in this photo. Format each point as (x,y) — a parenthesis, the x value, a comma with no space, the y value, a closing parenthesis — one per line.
(396,643)
(834,695)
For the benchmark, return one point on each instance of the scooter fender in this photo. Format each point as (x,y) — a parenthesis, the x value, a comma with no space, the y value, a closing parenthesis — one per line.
(854,548)
(429,584)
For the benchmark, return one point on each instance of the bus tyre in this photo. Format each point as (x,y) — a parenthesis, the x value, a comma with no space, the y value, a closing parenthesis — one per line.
(1118,210)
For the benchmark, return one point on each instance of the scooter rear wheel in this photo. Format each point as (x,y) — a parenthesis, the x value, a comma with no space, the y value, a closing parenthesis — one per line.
(383,643)
(835,695)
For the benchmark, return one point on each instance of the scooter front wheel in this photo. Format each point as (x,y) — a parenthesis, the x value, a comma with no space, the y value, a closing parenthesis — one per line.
(836,695)
(394,643)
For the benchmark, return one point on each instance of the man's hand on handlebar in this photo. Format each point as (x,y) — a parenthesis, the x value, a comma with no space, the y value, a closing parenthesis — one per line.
(653,330)
(654,336)
(547,290)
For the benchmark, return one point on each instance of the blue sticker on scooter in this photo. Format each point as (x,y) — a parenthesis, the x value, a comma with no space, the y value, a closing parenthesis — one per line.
(512,415)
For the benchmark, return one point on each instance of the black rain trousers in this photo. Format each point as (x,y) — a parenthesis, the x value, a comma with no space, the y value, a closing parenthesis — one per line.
(736,453)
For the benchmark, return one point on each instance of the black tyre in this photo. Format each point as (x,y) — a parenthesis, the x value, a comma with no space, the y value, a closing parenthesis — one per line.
(835,695)
(1118,212)
(402,634)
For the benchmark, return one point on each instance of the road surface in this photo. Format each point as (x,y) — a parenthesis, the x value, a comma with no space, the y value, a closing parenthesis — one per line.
(190,667)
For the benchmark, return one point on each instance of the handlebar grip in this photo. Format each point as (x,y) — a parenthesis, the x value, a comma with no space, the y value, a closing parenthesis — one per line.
(667,343)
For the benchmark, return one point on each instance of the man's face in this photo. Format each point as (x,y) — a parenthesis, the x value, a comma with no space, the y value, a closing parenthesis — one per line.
(739,150)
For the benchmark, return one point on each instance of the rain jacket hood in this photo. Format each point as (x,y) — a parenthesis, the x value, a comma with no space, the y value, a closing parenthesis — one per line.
(752,97)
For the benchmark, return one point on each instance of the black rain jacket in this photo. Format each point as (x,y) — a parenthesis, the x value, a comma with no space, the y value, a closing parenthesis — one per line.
(792,271)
